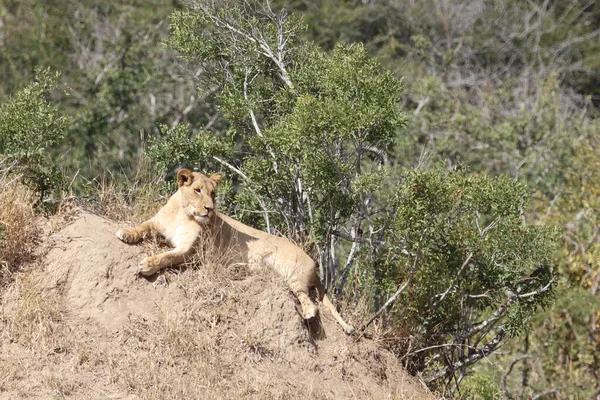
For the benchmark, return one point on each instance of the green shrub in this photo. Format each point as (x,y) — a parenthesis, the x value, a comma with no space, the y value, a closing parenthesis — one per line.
(480,387)
(29,126)
(466,272)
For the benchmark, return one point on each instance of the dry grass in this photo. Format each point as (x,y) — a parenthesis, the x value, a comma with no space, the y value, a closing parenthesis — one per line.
(34,335)
(131,202)
(172,358)
(36,321)
(18,229)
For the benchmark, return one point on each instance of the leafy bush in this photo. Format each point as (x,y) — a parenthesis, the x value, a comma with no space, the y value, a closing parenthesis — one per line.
(452,251)
(29,126)
(480,387)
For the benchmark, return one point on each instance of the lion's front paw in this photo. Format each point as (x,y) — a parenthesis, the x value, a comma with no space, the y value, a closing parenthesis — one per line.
(148,266)
(309,311)
(128,235)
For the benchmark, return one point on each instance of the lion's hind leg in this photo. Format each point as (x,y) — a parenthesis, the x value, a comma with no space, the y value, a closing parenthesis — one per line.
(135,234)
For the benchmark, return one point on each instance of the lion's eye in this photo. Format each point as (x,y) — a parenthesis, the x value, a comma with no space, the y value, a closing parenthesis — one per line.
(198,190)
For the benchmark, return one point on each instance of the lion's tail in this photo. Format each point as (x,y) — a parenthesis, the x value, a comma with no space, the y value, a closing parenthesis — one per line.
(349,329)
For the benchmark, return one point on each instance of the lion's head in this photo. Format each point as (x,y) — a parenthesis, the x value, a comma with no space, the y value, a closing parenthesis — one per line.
(198,193)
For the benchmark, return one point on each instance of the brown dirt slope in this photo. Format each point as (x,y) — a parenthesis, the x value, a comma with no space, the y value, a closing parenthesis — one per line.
(83,325)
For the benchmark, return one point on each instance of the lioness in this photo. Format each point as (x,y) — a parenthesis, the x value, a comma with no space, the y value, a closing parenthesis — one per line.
(192,209)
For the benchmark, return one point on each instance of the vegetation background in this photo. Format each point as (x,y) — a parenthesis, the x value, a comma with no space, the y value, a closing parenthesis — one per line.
(437,155)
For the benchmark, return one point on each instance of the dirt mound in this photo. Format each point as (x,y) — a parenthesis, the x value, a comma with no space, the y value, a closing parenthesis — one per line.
(84,325)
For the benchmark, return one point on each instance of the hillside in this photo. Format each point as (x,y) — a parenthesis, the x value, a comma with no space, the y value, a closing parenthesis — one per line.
(82,324)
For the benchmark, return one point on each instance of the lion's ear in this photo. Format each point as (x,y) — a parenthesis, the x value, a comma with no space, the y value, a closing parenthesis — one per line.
(217,178)
(184,177)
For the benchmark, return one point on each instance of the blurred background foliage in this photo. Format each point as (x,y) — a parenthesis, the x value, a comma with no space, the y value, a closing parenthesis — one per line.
(491,89)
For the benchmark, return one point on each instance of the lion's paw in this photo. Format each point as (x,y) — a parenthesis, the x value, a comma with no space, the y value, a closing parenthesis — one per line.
(349,329)
(128,235)
(147,266)
(309,312)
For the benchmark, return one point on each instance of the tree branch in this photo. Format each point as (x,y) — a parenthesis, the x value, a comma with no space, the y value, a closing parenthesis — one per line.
(460,271)
(360,239)
(401,289)
(505,376)
(355,246)
(262,44)
(245,177)
(471,359)
(549,391)
(388,303)
(255,122)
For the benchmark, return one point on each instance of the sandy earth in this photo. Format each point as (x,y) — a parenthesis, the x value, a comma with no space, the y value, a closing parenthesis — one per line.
(82,324)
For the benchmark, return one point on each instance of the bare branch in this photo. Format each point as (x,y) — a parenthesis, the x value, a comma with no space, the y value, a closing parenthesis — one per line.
(108,66)
(510,368)
(460,271)
(438,346)
(388,303)
(355,246)
(486,350)
(360,239)
(422,103)
(261,42)
(401,289)
(500,312)
(537,292)
(483,231)
(231,167)
(549,391)
(252,116)
(245,177)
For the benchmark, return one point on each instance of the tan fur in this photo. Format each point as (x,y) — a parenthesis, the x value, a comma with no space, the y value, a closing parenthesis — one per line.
(191,211)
